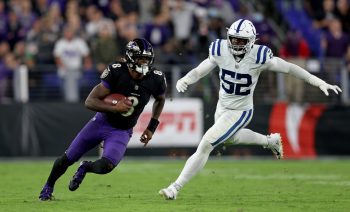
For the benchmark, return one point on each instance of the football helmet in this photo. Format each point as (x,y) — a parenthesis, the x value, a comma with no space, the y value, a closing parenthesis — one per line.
(139,55)
(241,37)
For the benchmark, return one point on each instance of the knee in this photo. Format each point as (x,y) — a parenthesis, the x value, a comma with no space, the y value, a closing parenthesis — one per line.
(106,166)
(63,161)
(205,147)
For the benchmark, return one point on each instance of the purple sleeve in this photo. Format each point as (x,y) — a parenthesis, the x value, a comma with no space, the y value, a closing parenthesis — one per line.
(106,84)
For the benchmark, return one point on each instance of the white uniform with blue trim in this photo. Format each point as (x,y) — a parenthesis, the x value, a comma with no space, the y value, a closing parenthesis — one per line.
(237,84)
(238,80)
(235,106)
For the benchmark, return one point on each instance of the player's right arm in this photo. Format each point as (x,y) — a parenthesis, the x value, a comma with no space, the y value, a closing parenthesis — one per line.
(95,101)
(195,74)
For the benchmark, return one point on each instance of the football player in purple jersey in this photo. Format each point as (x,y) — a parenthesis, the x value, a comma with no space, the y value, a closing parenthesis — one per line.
(136,79)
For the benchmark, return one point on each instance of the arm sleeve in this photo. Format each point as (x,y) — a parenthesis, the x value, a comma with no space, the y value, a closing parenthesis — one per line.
(279,65)
(107,77)
(162,85)
(200,71)
(84,48)
(57,51)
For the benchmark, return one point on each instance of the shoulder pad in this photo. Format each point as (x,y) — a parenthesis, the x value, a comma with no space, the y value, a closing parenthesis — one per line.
(215,48)
(262,54)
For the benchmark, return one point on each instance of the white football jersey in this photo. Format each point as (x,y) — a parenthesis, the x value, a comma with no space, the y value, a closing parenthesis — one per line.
(238,79)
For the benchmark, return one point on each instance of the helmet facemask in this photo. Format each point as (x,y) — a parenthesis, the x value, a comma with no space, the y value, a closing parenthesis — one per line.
(140,63)
(241,37)
(238,45)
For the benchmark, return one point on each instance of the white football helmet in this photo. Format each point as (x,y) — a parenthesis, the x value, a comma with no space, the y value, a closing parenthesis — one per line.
(241,37)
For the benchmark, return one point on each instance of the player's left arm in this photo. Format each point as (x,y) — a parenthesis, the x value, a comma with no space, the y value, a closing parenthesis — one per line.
(279,65)
(157,108)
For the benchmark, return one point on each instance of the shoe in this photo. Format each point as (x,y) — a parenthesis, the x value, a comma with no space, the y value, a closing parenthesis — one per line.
(78,176)
(274,141)
(169,193)
(46,193)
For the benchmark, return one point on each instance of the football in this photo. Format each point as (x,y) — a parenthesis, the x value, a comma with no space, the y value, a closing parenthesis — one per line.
(113,98)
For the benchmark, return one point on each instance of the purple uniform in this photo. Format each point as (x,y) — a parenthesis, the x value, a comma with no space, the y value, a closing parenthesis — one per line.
(113,128)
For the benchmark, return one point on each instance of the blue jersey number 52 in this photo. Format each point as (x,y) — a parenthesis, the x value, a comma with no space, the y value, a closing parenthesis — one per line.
(235,88)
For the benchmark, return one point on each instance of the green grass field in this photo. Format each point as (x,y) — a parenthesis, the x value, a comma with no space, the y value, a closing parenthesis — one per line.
(223,185)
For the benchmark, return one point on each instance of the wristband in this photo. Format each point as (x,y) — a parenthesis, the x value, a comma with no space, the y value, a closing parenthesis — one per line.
(152,125)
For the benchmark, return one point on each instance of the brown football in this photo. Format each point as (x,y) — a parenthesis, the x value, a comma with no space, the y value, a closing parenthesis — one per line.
(113,98)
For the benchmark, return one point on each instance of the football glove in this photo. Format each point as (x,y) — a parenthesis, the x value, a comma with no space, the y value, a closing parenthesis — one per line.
(325,87)
(181,85)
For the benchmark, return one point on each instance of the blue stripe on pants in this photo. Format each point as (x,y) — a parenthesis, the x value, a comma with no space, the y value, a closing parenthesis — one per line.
(234,128)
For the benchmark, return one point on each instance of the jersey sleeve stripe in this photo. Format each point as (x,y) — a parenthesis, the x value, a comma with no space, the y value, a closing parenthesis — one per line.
(213,49)
(106,84)
(218,49)
(238,125)
(258,56)
(264,58)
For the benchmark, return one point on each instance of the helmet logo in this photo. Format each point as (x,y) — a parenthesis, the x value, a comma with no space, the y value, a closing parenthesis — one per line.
(239,25)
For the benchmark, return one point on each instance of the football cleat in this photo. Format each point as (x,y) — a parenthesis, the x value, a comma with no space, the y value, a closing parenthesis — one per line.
(274,142)
(46,193)
(169,193)
(78,177)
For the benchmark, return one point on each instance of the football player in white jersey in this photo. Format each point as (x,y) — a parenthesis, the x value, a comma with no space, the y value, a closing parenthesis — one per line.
(240,62)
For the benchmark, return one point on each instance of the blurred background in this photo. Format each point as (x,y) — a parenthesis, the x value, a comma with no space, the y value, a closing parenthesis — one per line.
(43,84)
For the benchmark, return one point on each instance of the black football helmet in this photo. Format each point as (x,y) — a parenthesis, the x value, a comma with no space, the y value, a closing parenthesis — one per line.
(138,50)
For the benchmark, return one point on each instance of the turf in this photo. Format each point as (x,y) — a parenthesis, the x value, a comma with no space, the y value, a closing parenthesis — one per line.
(224,185)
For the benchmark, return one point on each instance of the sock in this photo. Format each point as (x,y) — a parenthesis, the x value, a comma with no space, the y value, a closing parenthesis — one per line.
(59,167)
(194,164)
(101,166)
(248,137)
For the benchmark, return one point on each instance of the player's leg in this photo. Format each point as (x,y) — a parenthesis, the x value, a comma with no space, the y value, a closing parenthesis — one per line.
(59,167)
(193,165)
(86,139)
(113,151)
(249,137)
(226,125)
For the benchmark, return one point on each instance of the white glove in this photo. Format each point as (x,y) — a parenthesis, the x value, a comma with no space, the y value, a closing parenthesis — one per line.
(325,87)
(181,85)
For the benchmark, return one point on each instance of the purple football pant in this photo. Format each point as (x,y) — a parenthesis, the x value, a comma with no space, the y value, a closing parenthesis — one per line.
(95,131)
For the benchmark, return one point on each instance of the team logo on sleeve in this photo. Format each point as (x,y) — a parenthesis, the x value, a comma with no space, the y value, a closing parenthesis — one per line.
(105,73)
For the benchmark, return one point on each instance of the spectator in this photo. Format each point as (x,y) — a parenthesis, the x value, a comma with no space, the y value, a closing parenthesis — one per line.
(324,16)
(295,46)
(181,13)
(40,7)
(312,7)
(296,49)
(26,17)
(14,29)
(3,22)
(96,20)
(5,71)
(104,48)
(158,32)
(343,13)
(45,40)
(69,53)
(127,30)
(335,42)
(335,45)
(129,9)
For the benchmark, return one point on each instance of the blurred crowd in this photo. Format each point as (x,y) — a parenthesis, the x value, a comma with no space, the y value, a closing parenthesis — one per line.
(76,36)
